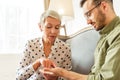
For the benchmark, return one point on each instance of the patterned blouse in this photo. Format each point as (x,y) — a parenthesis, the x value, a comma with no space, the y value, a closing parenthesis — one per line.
(60,54)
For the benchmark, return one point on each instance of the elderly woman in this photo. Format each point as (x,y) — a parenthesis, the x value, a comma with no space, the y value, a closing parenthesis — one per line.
(41,52)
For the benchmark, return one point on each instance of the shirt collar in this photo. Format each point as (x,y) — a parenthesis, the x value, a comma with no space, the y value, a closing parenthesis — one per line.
(41,42)
(108,28)
(53,46)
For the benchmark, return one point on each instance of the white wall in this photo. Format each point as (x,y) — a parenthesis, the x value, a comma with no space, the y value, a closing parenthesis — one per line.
(79,21)
(18,23)
(116,6)
(8,66)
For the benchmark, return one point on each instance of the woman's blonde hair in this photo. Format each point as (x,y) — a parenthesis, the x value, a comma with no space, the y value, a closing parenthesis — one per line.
(49,13)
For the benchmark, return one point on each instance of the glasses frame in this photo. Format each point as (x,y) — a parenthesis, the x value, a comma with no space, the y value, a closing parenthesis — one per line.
(88,13)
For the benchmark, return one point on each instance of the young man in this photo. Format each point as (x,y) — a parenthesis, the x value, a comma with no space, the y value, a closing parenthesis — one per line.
(100,14)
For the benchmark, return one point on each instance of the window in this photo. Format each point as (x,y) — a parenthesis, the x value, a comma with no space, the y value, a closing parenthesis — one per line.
(18,23)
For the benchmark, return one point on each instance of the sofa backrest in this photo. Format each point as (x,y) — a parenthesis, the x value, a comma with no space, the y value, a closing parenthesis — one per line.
(82,45)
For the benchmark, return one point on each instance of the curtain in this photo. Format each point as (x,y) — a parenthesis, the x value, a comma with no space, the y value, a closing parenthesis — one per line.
(18,23)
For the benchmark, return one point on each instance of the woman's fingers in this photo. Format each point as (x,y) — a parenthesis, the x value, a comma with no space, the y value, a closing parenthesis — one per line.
(47,63)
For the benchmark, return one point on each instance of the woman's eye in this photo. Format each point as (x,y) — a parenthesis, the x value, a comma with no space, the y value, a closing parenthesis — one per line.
(48,26)
(57,27)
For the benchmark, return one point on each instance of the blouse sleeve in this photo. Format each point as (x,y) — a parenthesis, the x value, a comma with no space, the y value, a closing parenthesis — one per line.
(25,69)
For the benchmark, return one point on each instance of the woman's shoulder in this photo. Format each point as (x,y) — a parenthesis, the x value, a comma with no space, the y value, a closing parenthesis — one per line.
(62,43)
(34,41)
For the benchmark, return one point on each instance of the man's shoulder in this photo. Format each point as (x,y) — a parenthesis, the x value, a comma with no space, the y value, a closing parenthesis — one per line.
(114,34)
(116,30)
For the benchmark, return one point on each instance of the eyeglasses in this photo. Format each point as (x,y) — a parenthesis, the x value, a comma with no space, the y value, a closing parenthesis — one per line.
(88,13)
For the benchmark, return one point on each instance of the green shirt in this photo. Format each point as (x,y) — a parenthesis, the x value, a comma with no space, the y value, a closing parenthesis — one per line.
(107,53)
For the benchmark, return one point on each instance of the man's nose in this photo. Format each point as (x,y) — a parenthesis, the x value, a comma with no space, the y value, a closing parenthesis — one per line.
(89,21)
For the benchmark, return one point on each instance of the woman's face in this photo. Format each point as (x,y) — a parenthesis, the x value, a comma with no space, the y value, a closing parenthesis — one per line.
(50,29)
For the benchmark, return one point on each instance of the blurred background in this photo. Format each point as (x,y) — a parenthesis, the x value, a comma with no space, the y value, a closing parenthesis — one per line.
(19,22)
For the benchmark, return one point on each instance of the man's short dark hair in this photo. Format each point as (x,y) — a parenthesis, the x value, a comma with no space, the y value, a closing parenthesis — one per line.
(95,2)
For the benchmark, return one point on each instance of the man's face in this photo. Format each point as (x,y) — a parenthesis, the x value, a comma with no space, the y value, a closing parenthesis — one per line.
(94,15)
(50,29)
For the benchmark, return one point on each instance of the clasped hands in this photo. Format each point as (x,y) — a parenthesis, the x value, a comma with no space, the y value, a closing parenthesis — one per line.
(46,64)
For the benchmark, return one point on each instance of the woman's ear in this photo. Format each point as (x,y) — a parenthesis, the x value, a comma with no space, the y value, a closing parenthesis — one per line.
(40,27)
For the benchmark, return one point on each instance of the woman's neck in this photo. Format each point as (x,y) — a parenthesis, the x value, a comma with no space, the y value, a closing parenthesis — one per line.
(47,47)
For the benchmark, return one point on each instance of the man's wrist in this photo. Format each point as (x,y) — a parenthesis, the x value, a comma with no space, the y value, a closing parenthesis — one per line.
(53,78)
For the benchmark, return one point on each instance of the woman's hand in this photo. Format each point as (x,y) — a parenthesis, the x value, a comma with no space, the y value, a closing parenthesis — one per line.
(47,63)
(49,75)
(44,62)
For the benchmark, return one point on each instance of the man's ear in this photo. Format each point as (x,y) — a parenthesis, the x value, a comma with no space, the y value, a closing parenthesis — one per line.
(104,6)
(40,27)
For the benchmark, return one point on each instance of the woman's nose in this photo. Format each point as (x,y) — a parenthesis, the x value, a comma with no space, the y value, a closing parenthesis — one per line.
(53,30)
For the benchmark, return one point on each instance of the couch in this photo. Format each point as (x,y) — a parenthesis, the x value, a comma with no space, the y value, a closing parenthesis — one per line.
(82,45)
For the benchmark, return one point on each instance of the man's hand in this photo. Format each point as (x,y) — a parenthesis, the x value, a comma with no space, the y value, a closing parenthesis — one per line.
(56,71)
(50,77)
